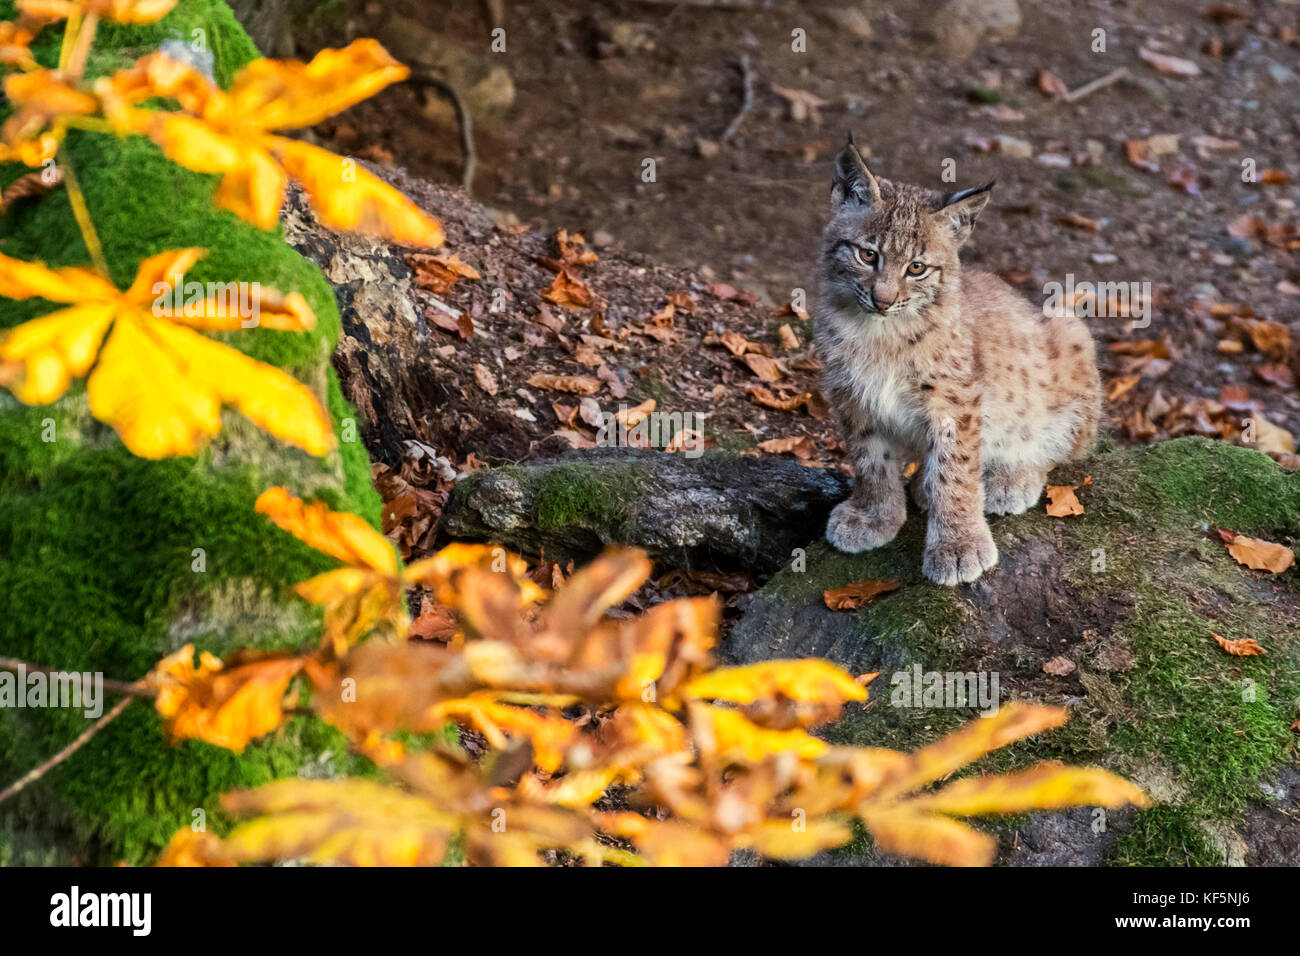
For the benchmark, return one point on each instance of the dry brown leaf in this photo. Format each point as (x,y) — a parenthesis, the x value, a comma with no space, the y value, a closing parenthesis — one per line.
(1075,221)
(1052,85)
(1062,501)
(567,292)
(788,339)
(789,403)
(1243,647)
(855,595)
(1059,666)
(762,366)
(439,273)
(486,380)
(1256,554)
(575,384)
(801,447)
(1139,153)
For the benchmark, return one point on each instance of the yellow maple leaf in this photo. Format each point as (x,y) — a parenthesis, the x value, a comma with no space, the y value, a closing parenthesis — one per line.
(155,379)
(225,707)
(230,133)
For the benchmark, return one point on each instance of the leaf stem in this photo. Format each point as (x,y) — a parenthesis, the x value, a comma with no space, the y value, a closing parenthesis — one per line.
(82,213)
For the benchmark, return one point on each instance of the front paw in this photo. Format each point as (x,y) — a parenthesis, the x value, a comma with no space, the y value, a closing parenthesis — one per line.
(959,557)
(853,528)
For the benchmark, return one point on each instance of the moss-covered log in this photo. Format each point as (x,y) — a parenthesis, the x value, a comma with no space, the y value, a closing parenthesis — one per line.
(107,561)
(716,509)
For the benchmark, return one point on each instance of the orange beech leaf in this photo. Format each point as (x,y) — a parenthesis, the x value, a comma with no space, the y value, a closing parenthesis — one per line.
(1243,647)
(1061,501)
(855,595)
(568,292)
(1257,554)
(230,133)
(439,273)
(226,707)
(160,384)
(575,384)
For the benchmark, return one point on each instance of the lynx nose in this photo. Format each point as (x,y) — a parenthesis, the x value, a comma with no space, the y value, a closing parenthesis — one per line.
(881,302)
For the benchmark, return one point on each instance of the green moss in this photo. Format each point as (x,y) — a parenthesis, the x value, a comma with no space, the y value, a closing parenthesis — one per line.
(587,496)
(1165,836)
(99,549)
(1145,559)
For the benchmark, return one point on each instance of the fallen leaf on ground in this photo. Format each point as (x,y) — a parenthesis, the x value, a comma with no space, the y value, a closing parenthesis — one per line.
(762,366)
(855,595)
(764,396)
(1076,221)
(439,273)
(576,384)
(1058,666)
(1062,501)
(1139,153)
(1243,647)
(801,446)
(569,293)
(1256,554)
(486,380)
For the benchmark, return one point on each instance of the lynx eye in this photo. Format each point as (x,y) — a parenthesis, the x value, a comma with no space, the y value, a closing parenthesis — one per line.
(868,257)
(916,268)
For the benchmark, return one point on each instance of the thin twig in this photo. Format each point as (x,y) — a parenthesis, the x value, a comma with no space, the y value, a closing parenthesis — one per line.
(1101,82)
(131,689)
(463,120)
(36,774)
(747,103)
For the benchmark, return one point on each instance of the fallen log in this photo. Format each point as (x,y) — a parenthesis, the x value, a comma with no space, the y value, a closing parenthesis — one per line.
(713,510)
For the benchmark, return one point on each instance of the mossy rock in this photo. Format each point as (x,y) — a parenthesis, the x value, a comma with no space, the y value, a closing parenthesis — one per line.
(100,551)
(1128,593)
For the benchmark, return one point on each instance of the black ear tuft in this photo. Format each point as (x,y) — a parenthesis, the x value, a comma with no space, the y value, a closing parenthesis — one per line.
(958,211)
(950,199)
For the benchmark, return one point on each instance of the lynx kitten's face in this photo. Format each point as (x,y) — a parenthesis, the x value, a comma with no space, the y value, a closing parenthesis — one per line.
(888,253)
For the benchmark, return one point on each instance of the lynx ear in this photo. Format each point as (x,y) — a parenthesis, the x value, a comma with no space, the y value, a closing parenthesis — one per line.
(957,211)
(853,183)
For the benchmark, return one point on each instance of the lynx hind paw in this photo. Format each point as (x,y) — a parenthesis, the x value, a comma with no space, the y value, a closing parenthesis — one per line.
(1012,491)
(960,558)
(852,529)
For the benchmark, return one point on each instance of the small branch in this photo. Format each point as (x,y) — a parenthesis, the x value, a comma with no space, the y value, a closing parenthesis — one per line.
(1100,83)
(747,103)
(463,120)
(131,689)
(82,739)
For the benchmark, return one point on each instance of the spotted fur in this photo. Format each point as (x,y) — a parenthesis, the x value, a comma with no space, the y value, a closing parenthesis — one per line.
(927,361)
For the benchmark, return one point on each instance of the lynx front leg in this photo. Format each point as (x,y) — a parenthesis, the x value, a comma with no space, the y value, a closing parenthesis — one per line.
(875,511)
(958,545)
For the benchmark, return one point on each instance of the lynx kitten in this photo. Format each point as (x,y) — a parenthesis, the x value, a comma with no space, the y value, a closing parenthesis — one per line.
(926,361)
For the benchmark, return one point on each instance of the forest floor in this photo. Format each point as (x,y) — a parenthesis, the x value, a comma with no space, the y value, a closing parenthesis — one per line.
(1138,182)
